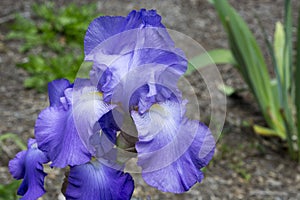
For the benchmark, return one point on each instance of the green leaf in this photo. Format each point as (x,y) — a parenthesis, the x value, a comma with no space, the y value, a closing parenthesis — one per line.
(227,90)
(8,191)
(36,82)
(250,61)
(35,64)
(217,56)
(287,113)
(84,70)
(279,43)
(57,33)
(297,85)
(265,131)
(14,138)
(288,48)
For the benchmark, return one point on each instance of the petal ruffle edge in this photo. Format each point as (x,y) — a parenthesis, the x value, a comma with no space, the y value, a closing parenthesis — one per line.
(28,165)
(97,181)
(171,148)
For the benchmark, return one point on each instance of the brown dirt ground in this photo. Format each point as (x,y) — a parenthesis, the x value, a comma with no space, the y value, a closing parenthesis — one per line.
(246,166)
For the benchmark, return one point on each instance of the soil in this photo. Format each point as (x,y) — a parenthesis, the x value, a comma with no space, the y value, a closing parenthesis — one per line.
(245,166)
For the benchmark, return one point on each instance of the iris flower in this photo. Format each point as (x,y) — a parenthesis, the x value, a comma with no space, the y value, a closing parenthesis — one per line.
(131,103)
(28,165)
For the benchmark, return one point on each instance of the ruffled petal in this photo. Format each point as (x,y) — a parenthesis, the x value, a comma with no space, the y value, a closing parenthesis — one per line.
(137,68)
(88,109)
(17,165)
(97,181)
(172,149)
(57,136)
(56,90)
(104,27)
(147,56)
(100,29)
(63,131)
(27,165)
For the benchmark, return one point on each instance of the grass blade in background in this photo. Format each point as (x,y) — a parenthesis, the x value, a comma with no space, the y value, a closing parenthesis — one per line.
(297,85)
(288,79)
(279,98)
(251,64)
(217,56)
(18,141)
(288,48)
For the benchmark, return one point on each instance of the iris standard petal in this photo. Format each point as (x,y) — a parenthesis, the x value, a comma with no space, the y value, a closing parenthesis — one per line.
(148,52)
(100,29)
(172,149)
(28,165)
(94,180)
(63,131)
(104,27)
(136,69)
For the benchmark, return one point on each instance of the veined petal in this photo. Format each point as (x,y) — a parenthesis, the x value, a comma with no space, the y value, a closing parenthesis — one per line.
(171,148)
(134,70)
(56,90)
(63,130)
(94,180)
(148,52)
(104,27)
(57,136)
(88,109)
(100,29)
(27,165)
(16,166)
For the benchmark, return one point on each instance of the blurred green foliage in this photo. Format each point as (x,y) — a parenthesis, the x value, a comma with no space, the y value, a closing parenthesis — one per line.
(8,191)
(15,138)
(53,40)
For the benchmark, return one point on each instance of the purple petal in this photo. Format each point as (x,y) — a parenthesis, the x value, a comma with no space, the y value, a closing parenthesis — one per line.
(57,136)
(100,29)
(56,90)
(109,126)
(135,69)
(16,166)
(104,27)
(97,181)
(171,148)
(63,131)
(27,165)
(88,109)
(147,56)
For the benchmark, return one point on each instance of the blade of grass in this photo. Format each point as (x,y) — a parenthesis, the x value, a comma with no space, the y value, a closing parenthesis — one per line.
(241,40)
(217,56)
(264,131)
(273,50)
(278,46)
(288,48)
(288,79)
(297,85)
(15,138)
(251,63)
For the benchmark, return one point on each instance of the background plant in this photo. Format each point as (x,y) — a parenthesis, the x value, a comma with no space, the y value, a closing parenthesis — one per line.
(8,191)
(278,97)
(53,40)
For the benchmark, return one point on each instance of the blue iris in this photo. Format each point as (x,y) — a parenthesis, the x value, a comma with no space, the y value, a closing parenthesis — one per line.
(131,101)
